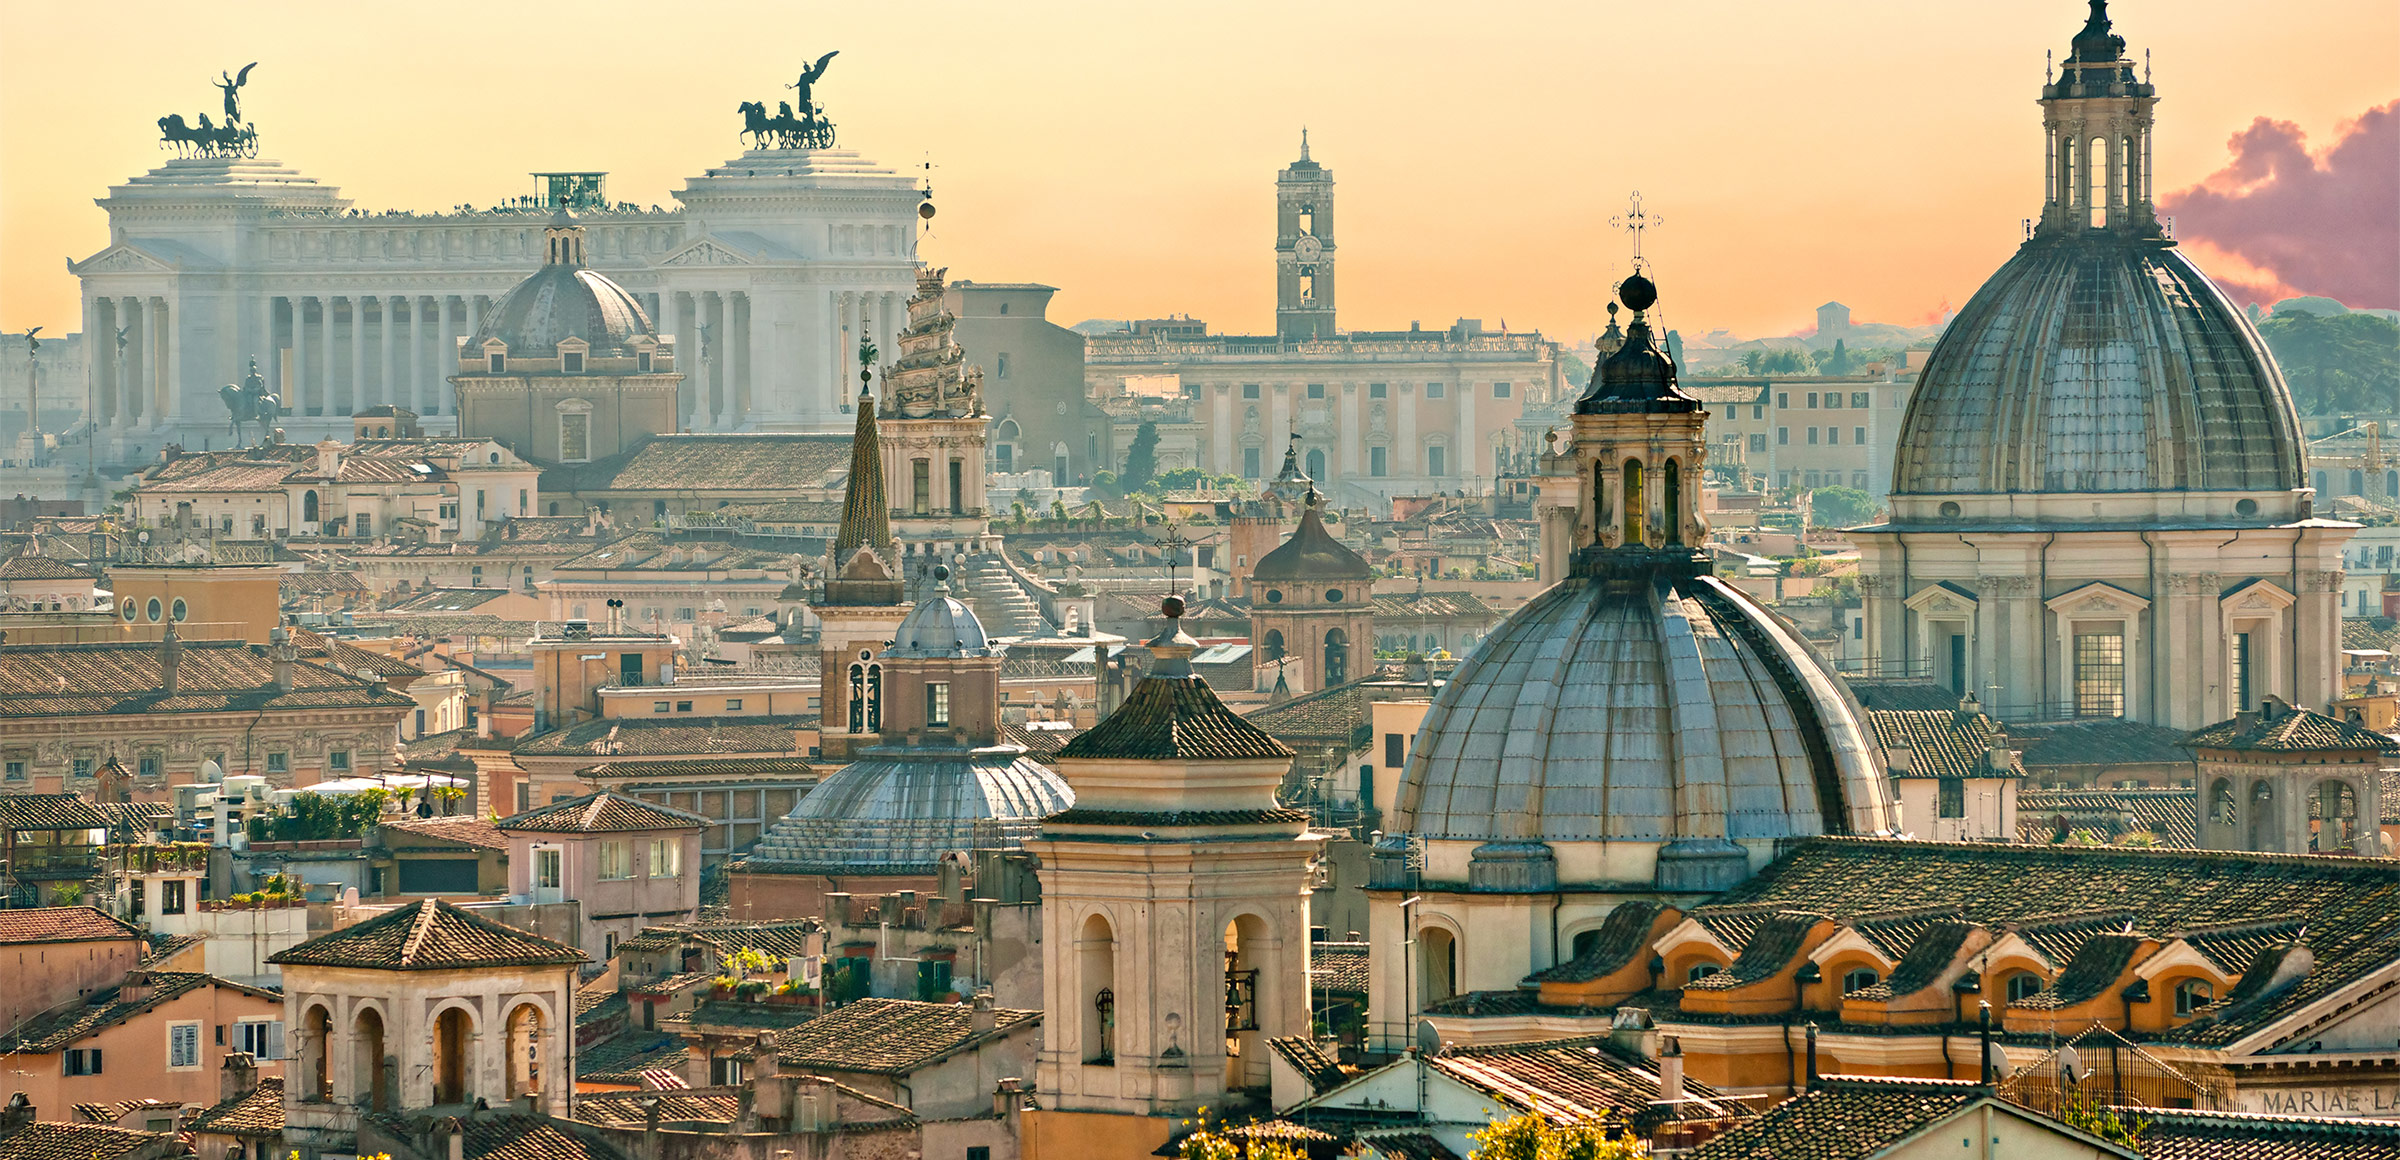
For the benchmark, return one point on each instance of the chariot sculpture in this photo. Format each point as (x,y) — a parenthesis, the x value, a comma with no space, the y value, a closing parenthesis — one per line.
(235,138)
(808,128)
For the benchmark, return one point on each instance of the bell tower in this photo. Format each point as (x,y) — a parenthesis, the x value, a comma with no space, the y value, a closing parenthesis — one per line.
(2096,118)
(1304,249)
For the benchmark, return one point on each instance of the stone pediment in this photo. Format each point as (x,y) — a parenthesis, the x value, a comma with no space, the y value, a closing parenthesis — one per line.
(1942,597)
(2256,595)
(121,259)
(2098,598)
(708,252)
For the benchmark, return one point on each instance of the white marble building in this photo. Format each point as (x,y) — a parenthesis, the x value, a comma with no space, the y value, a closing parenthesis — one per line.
(781,256)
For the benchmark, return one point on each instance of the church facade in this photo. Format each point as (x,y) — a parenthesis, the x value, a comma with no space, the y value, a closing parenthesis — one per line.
(2098,506)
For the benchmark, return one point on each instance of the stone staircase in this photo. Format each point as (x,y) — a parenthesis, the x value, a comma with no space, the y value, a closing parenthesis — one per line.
(1000,599)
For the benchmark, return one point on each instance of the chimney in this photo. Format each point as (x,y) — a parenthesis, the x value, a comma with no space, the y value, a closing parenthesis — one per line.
(1670,1070)
(17,1115)
(458,1140)
(1900,759)
(1007,1096)
(280,650)
(1812,1056)
(239,1077)
(329,458)
(170,658)
(981,1016)
(135,988)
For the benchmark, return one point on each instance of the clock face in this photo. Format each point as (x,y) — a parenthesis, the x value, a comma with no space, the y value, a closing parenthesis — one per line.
(1307,248)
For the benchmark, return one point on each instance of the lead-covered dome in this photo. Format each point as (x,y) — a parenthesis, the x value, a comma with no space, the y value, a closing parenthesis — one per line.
(885,814)
(941,626)
(1672,717)
(564,300)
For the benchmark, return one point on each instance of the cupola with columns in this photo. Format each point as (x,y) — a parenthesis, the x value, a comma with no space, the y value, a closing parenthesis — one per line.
(1632,471)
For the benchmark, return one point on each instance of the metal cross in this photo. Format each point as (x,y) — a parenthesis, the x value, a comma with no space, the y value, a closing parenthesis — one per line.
(1634,222)
(1173,543)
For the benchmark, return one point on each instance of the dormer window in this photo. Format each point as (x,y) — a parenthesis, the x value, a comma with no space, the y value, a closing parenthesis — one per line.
(497,362)
(645,361)
(2191,995)
(570,362)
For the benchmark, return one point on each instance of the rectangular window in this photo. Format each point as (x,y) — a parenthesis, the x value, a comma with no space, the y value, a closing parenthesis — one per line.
(1954,797)
(615,863)
(958,487)
(662,706)
(171,896)
(683,706)
(83,767)
(733,704)
(937,704)
(1316,390)
(1812,436)
(1500,390)
(1249,390)
(338,760)
(1783,436)
(1395,749)
(525,799)
(1833,435)
(2241,671)
(1858,435)
(183,1046)
(1758,443)
(1379,390)
(1783,400)
(1433,390)
(1000,367)
(16,770)
(1833,400)
(150,764)
(684,613)
(524,506)
(1435,461)
(83,1061)
(1378,460)
(2099,674)
(1758,413)
(666,857)
(570,362)
(920,487)
(497,362)
(262,1038)
(1250,463)
(279,763)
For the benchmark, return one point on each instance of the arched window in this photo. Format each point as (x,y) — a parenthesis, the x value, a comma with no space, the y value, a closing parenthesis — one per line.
(1438,976)
(453,1064)
(1096,955)
(2096,181)
(2023,985)
(2191,995)
(308,506)
(874,698)
(1316,463)
(1633,503)
(1674,504)
(1859,979)
(1272,644)
(367,1062)
(1585,943)
(2221,805)
(316,1037)
(858,698)
(1701,970)
(525,1061)
(1337,657)
(2336,817)
(2262,817)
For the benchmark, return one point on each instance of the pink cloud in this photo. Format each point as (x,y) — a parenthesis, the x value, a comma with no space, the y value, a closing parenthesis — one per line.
(2326,224)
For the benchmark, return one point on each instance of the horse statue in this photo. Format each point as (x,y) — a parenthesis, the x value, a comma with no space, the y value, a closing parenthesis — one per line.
(755,123)
(251,402)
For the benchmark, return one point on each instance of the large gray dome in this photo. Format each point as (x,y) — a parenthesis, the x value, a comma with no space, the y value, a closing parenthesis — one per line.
(2097,362)
(564,301)
(885,815)
(1671,713)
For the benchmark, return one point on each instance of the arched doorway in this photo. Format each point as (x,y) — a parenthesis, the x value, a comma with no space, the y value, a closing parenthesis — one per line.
(453,1030)
(1245,1041)
(1437,973)
(2263,834)
(1316,463)
(525,1052)
(1337,657)
(369,1073)
(1096,958)
(2336,817)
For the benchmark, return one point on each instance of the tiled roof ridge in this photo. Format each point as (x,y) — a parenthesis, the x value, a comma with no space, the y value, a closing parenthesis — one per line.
(1900,1083)
(2021,850)
(418,930)
(2061,920)
(1902,914)
(2240,926)
(2200,1117)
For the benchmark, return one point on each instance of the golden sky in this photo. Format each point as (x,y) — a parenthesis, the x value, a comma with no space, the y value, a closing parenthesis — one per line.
(1880,152)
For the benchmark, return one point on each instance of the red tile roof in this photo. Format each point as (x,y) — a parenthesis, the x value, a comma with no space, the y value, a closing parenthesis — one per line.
(257,1112)
(50,924)
(1171,718)
(889,1036)
(429,936)
(602,813)
(52,1140)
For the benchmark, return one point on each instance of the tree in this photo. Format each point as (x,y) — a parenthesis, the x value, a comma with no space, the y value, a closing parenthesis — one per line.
(1531,1137)
(1753,361)
(2084,1112)
(1141,460)
(2337,363)
(1842,507)
(1837,363)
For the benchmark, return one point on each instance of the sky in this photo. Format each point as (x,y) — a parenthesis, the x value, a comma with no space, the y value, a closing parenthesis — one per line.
(1878,153)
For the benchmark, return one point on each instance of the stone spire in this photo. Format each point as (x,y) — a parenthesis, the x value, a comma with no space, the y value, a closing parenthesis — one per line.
(866,514)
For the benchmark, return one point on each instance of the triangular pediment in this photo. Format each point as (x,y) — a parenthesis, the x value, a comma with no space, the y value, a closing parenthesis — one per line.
(709,252)
(1942,596)
(2098,597)
(2256,595)
(122,259)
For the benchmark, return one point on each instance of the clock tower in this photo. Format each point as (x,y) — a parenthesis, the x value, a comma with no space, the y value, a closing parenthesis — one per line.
(1304,249)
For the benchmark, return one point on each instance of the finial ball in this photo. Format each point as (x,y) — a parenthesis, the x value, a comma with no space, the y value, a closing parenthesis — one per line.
(1172,606)
(1638,292)
(941,573)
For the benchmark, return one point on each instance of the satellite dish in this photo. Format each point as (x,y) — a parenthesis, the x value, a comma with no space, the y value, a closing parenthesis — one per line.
(1429,1038)
(1996,1057)
(2070,1065)
(211,773)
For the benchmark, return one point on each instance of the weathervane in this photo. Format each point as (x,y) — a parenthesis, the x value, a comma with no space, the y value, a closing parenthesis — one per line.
(1634,221)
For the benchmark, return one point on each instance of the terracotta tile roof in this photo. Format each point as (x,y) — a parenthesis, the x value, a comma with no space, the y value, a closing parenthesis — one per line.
(632,1109)
(2096,967)
(48,924)
(612,737)
(1338,967)
(52,1140)
(889,1036)
(1202,818)
(784,939)
(1434,606)
(1040,744)
(1770,947)
(1940,743)
(1340,713)
(625,1057)
(1917,696)
(466,830)
(1406,1144)
(258,1112)
(164,948)
(49,811)
(1171,718)
(107,1008)
(1926,958)
(1623,935)
(350,658)
(2176,1134)
(429,936)
(600,1006)
(1573,1078)
(1315,1067)
(602,813)
(2234,947)
(2351,905)
(213,677)
(743,768)
(522,1137)
(2111,741)
(2290,731)
(1842,1120)
(2109,814)
(32,567)
(769,462)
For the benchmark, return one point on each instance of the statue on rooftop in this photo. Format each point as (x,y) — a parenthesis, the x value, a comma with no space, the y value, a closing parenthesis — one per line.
(250,402)
(233,91)
(801,89)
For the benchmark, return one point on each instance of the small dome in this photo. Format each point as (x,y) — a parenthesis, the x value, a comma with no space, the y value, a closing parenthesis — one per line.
(1312,554)
(941,626)
(2098,363)
(1678,717)
(564,300)
(887,815)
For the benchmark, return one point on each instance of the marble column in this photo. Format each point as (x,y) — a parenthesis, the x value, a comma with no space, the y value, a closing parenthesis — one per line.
(743,352)
(828,339)
(263,351)
(158,352)
(1469,439)
(445,346)
(356,397)
(417,385)
(387,333)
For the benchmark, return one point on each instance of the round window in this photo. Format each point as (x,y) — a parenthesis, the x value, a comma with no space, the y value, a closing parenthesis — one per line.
(152,609)
(1950,509)
(2245,507)
(1333,595)
(129,610)
(1274,596)
(181,611)
(865,654)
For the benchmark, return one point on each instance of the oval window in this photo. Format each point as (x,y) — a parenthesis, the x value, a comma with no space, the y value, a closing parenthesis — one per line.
(152,609)
(1950,509)
(1333,595)
(182,611)
(2245,507)
(129,610)
(1274,596)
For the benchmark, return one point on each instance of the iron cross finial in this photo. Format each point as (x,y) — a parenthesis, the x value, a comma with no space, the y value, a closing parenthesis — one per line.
(1174,543)
(1634,221)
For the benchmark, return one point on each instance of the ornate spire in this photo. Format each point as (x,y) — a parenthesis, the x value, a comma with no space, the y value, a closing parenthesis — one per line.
(1304,134)
(866,515)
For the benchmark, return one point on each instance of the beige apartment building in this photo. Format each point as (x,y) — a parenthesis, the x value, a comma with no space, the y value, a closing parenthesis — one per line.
(1829,431)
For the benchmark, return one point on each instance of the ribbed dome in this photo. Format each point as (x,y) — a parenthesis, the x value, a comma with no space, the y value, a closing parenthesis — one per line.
(1312,554)
(564,301)
(1671,713)
(940,626)
(2096,362)
(882,815)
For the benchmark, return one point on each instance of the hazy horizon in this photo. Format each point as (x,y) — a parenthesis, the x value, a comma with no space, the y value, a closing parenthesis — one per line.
(1883,158)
